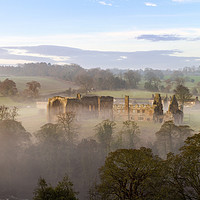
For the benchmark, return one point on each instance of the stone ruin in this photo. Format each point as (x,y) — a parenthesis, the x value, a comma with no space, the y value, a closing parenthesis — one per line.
(127,111)
(165,103)
(174,113)
(86,107)
(154,112)
(158,109)
(197,103)
(103,107)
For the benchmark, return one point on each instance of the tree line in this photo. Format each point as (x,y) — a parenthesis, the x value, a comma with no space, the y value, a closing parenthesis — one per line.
(8,89)
(99,79)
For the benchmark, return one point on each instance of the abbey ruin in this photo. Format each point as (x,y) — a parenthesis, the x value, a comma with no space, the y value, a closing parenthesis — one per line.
(86,107)
(105,107)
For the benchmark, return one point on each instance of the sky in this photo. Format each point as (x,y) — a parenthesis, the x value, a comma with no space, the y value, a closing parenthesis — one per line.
(102,25)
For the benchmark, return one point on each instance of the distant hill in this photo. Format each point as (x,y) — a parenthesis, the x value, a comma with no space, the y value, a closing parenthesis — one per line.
(163,59)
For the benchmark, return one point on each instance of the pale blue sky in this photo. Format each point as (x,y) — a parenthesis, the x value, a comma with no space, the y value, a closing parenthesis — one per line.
(108,25)
(49,17)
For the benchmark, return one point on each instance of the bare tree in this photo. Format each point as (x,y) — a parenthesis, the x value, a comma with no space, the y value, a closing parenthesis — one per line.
(67,123)
(8,113)
(33,89)
(8,88)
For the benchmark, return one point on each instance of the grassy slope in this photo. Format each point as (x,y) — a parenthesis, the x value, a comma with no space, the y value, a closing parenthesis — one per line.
(48,84)
(33,118)
(130,93)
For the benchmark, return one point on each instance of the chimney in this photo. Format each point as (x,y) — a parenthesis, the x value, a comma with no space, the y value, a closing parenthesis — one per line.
(79,96)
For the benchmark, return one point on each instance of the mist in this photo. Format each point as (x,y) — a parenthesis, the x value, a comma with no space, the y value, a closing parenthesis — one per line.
(56,131)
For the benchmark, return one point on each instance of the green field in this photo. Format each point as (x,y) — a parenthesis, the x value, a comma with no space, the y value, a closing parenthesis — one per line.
(48,85)
(33,118)
(130,93)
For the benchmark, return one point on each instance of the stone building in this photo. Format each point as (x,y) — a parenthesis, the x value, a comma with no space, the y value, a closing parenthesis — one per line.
(158,109)
(96,107)
(174,113)
(127,111)
(86,107)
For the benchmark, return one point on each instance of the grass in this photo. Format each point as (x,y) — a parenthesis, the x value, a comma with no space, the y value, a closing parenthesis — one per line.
(48,85)
(32,118)
(131,93)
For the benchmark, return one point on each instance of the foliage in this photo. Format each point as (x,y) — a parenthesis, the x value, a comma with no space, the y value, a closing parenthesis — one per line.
(184,169)
(182,93)
(171,137)
(132,78)
(85,80)
(104,132)
(129,174)
(63,190)
(8,88)
(153,81)
(7,113)
(180,81)
(67,123)
(13,132)
(33,89)
(49,133)
(129,134)
(195,91)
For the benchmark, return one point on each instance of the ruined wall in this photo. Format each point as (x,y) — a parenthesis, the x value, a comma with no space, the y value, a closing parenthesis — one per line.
(103,107)
(174,113)
(158,109)
(136,112)
(56,106)
(106,107)
(87,107)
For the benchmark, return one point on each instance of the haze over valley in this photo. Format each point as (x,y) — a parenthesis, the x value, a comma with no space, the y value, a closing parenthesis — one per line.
(99,100)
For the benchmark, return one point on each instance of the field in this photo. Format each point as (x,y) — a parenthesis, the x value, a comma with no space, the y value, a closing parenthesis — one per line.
(48,85)
(131,93)
(33,118)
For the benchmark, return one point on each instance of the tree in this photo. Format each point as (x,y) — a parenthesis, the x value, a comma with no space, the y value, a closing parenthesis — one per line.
(33,89)
(53,151)
(153,81)
(104,134)
(132,78)
(130,174)
(14,142)
(129,132)
(171,137)
(180,81)
(184,169)
(195,91)
(67,123)
(63,190)
(85,80)
(7,113)
(182,94)
(8,88)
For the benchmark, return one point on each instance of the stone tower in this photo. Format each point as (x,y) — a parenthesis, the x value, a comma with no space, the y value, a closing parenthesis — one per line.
(177,114)
(158,109)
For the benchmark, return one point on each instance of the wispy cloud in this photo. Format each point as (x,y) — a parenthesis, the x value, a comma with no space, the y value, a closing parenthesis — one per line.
(156,38)
(105,3)
(150,4)
(165,37)
(23,52)
(122,58)
(188,40)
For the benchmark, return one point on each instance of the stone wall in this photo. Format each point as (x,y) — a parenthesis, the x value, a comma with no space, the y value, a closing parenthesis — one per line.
(86,107)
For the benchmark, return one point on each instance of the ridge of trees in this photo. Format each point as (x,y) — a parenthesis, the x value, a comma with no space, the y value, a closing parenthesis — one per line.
(100,79)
